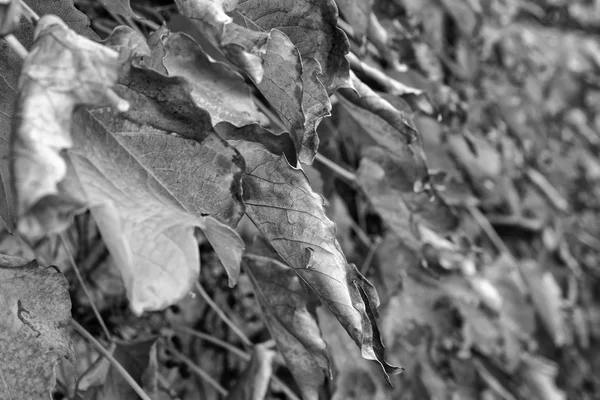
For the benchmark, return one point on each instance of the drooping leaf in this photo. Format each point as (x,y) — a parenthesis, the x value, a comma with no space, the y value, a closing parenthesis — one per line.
(147,216)
(215,87)
(254,382)
(283,300)
(36,311)
(10,68)
(63,70)
(290,215)
(293,86)
(312,27)
(387,125)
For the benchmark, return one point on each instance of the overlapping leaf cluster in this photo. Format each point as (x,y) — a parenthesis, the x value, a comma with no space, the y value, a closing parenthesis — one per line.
(453,131)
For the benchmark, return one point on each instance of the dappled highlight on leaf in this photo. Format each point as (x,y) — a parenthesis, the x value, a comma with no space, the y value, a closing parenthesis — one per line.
(243,47)
(36,312)
(281,203)
(284,299)
(147,192)
(311,25)
(215,86)
(63,70)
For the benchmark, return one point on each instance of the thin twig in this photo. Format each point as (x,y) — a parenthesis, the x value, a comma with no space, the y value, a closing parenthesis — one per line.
(84,286)
(497,241)
(343,173)
(14,44)
(100,349)
(29,13)
(199,371)
(209,338)
(369,259)
(222,315)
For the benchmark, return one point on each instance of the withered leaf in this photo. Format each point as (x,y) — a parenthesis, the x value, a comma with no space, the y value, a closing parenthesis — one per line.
(312,27)
(63,70)
(215,86)
(284,303)
(36,311)
(10,69)
(281,203)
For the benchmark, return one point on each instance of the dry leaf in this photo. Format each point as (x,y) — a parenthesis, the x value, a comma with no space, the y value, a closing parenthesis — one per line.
(36,311)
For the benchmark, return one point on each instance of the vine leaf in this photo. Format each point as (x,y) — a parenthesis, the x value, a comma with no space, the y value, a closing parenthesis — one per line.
(215,86)
(147,216)
(147,189)
(294,83)
(284,303)
(10,69)
(36,311)
(311,25)
(282,205)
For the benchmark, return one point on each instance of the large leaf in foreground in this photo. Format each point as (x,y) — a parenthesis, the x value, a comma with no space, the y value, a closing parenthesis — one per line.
(283,300)
(36,311)
(281,203)
(148,192)
(10,68)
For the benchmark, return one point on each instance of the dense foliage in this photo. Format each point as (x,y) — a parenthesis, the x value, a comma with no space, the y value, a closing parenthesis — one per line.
(349,174)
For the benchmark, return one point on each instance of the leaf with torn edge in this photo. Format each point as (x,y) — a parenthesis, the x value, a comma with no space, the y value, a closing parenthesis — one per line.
(283,300)
(282,205)
(36,311)
(10,69)
(215,86)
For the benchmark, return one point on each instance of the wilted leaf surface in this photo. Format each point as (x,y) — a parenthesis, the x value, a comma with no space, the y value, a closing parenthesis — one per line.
(36,311)
(147,215)
(312,28)
(63,70)
(282,205)
(284,302)
(215,87)
(10,69)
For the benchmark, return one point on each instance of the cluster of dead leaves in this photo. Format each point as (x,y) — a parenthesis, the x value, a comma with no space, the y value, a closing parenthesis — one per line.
(439,110)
